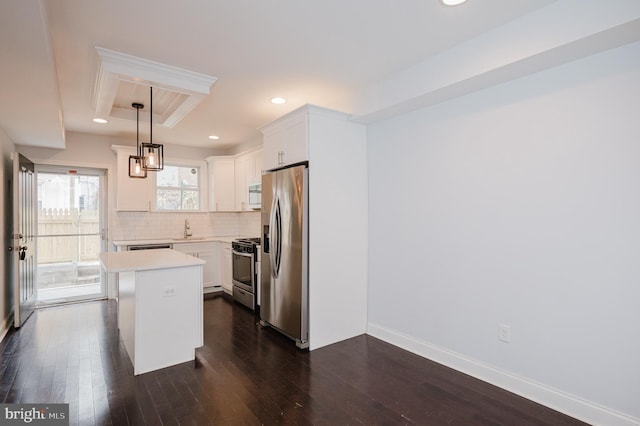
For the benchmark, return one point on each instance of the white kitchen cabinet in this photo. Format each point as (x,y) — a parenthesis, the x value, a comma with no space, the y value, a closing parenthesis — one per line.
(273,143)
(211,270)
(248,169)
(253,170)
(221,183)
(226,268)
(258,167)
(243,163)
(286,140)
(132,194)
(209,252)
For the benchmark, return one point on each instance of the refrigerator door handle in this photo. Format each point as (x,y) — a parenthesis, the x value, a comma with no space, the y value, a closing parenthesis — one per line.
(272,237)
(278,242)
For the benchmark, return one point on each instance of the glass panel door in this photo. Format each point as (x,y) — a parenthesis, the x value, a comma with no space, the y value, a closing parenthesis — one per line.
(70,231)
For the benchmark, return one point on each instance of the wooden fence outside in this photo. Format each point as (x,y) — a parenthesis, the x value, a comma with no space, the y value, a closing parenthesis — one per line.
(76,248)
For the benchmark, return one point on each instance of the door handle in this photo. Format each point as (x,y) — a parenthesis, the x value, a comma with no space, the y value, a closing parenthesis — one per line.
(278,242)
(22,252)
(273,238)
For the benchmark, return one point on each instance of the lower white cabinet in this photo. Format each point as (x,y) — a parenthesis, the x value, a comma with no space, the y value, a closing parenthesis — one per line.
(216,273)
(209,252)
(226,268)
(211,270)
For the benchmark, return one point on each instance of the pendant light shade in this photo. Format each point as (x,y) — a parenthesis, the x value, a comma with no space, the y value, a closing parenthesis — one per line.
(152,153)
(136,169)
(136,162)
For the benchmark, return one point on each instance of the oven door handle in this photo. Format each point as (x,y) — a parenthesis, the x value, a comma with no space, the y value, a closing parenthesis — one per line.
(240,253)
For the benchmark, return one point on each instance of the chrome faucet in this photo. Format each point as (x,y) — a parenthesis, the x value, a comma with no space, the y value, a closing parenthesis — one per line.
(187,229)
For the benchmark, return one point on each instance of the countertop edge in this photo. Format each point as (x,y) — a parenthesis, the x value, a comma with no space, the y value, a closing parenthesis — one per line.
(222,239)
(145,260)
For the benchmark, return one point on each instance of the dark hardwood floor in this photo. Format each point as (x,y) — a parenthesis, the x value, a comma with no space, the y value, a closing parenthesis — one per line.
(244,375)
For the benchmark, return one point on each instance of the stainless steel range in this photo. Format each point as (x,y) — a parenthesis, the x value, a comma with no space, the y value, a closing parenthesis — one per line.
(246,271)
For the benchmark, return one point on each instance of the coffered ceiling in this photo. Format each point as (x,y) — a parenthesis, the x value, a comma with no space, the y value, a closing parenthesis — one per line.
(319,52)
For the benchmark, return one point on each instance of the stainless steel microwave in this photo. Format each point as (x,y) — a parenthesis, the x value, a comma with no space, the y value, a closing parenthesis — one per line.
(255,196)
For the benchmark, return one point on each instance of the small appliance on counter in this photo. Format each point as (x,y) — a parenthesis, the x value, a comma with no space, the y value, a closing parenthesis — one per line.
(245,262)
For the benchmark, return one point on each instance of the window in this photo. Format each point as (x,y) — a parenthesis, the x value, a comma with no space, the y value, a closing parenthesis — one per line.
(178,188)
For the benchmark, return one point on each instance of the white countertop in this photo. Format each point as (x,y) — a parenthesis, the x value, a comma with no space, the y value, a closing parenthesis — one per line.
(224,239)
(142,260)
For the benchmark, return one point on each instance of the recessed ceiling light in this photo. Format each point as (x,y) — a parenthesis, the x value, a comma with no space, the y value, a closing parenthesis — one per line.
(214,137)
(278,100)
(452,2)
(100,120)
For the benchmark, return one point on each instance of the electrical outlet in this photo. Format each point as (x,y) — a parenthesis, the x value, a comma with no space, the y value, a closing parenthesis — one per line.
(504,333)
(169,291)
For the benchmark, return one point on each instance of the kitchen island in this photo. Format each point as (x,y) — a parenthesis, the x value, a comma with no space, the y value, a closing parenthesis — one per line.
(159,305)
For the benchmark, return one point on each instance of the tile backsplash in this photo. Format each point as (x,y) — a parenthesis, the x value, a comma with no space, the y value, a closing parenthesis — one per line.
(153,225)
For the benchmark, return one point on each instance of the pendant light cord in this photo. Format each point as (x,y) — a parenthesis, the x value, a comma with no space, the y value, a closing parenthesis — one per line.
(138,131)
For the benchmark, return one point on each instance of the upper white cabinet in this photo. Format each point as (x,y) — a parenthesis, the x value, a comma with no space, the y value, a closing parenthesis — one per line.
(248,169)
(255,167)
(286,140)
(132,194)
(221,184)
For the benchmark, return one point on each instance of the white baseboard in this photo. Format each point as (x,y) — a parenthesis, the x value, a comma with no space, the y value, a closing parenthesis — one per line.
(553,398)
(212,289)
(6,325)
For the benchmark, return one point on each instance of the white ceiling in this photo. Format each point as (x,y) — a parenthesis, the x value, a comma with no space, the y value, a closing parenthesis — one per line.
(319,52)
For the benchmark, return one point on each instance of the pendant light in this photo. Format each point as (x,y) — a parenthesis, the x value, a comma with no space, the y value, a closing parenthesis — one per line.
(153,153)
(136,162)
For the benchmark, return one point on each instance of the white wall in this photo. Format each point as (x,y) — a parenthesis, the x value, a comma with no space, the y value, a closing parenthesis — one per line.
(6,290)
(519,205)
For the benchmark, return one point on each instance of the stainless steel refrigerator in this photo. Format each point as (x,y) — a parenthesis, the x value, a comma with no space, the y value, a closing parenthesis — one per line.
(285,278)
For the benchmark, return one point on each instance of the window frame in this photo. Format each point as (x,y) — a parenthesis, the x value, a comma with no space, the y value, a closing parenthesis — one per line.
(202,182)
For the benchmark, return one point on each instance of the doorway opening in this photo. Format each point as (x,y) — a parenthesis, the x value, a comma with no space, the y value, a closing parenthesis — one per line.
(71,234)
